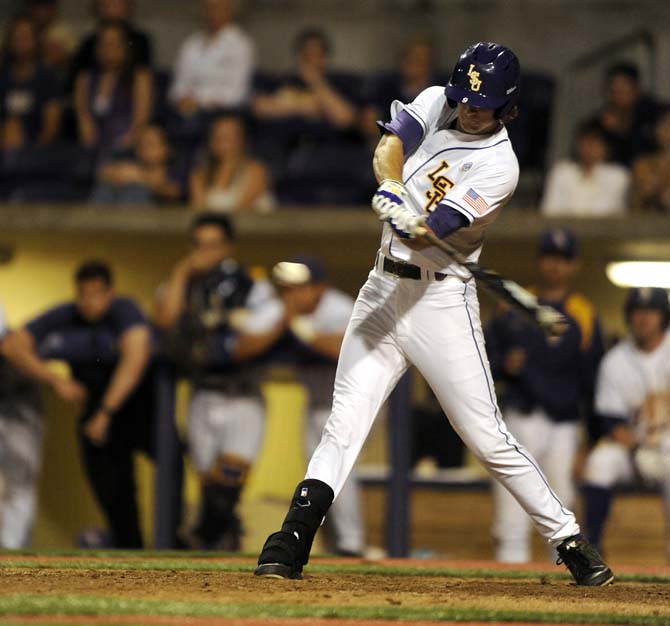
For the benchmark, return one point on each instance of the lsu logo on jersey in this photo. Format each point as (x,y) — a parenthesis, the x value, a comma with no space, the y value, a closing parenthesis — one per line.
(440,185)
(475,82)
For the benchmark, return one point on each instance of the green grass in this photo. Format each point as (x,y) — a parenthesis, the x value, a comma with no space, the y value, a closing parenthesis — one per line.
(31,604)
(218,565)
(71,605)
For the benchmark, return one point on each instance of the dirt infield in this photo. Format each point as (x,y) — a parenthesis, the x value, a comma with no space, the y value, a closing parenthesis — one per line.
(80,590)
(131,620)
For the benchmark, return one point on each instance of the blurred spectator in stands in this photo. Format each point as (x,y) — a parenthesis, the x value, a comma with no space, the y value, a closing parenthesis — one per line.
(230,179)
(549,384)
(30,109)
(114,100)
(589,186)
(57,41)
(105,11)
(147,178)
(628,114)
(58,45)
(214,66)
(21,433)
(415,72)
(651,173)
(106,341)
(307,128)
(43,13)
(310,92)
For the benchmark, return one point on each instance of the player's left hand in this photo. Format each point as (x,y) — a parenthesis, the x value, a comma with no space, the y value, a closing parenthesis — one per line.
(406,224)
(389,196)
(97,428)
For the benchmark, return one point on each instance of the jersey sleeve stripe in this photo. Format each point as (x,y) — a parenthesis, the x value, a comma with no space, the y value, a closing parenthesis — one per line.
(417,117)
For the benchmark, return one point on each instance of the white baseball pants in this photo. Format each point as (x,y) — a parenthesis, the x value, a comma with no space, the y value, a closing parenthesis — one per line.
(434,325)
(345,515)
(220,424)
(554,445)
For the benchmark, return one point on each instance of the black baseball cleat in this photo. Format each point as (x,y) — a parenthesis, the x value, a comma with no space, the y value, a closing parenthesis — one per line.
(584,562)
(278,558)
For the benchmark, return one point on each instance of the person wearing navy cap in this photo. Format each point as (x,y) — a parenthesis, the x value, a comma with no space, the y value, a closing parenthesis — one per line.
(548,384)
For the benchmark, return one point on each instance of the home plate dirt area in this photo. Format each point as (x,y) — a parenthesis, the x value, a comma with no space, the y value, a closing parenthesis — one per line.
(195,589)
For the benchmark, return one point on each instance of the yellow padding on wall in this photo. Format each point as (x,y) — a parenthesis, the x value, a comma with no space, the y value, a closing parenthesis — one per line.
(281,463)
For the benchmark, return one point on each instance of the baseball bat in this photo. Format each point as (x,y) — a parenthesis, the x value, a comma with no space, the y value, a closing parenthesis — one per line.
(551,321)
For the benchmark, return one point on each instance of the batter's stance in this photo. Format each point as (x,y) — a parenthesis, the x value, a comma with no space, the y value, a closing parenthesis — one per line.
(451,151)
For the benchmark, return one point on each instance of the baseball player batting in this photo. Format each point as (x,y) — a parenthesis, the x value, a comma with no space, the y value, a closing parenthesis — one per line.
(445,167)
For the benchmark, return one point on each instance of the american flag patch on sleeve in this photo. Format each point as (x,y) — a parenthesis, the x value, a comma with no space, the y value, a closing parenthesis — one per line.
(475,201)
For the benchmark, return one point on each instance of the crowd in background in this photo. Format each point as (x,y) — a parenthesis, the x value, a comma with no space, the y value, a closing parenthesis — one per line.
(98,120)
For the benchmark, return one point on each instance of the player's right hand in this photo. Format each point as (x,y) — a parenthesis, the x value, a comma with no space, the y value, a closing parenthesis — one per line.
(69,390)
(389,197)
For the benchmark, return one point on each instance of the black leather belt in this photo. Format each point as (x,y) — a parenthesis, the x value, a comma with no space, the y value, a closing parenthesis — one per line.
(407,270)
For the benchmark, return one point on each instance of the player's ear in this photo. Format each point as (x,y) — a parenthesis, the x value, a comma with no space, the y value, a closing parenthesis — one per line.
(511,115)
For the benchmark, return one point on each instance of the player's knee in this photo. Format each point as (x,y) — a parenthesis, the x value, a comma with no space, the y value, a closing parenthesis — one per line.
(601,465)
(228,470)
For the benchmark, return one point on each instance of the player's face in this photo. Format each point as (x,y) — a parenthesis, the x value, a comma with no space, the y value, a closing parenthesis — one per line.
(622,92)
(646,325)
(555,270)
(476,121)
(94,297)
(210,247)
(305,298)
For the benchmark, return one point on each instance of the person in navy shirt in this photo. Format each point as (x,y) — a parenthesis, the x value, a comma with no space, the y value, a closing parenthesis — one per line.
(30,95)
(106,341)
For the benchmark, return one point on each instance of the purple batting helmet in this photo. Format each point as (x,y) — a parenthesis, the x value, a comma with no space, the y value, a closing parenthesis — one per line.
(486,76)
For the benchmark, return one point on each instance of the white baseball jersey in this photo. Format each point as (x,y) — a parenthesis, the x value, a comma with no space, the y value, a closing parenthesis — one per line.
(474,174)
(635,386)
(629,380)
(330,317)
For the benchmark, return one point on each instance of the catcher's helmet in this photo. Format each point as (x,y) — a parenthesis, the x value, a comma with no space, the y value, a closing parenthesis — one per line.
(648,298)
(486,76)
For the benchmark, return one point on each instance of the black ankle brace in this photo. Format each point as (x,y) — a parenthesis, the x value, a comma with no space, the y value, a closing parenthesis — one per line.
(310,503)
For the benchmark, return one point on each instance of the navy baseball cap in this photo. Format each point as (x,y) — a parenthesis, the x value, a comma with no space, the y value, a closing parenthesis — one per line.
(559,241)
(648,298)
(300,270)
